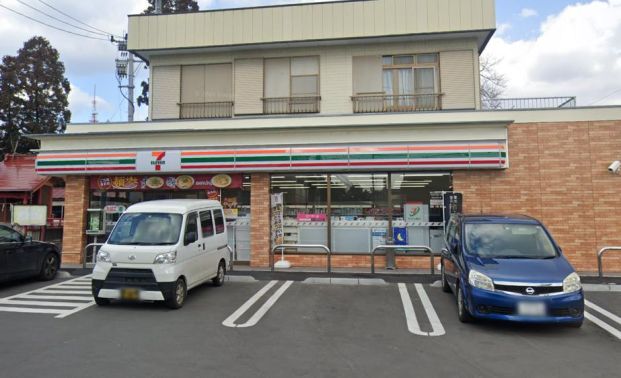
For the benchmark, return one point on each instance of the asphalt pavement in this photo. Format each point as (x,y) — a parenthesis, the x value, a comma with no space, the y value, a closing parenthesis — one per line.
(282,328)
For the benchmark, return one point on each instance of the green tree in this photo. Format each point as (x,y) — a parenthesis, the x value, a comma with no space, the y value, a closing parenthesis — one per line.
(173,6)
(10,104)
(36,99)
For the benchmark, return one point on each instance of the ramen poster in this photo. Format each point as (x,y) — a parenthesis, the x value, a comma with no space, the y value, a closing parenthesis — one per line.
(167,182)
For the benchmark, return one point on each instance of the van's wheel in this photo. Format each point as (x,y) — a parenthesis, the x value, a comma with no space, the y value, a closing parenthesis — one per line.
(462,310)
(102,301)
(177,297)
(49,267)
(218,280)
(445,286)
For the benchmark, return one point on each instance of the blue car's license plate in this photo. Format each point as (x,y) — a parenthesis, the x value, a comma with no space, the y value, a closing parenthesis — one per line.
(531,309)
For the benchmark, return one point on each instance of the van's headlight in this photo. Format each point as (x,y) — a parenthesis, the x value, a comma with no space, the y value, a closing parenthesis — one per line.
(480,281)
(571,284)
(103,256)
(166,258)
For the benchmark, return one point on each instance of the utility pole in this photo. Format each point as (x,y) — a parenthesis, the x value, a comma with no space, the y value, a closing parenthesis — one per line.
(130,87)
(158,6)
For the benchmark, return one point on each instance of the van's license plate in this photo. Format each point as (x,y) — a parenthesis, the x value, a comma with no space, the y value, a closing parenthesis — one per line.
(531,309)
(130,294)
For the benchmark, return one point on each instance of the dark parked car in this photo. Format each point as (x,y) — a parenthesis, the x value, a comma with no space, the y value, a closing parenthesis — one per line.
(22,257)
(509,268)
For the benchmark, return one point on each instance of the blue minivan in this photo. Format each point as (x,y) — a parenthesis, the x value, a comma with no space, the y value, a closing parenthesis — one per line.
(509,268)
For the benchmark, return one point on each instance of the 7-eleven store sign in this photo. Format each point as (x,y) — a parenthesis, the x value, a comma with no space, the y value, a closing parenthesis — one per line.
(158,161)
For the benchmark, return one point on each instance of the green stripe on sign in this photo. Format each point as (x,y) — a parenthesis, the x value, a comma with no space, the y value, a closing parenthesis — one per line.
(318,157)
(112,162)
(52,163)
(440,155)
(227,159)
(262,158)
(379,157)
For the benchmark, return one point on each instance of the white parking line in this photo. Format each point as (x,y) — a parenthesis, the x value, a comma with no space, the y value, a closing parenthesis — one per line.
(254,319)
(602,324)
(410,314)
(75,295)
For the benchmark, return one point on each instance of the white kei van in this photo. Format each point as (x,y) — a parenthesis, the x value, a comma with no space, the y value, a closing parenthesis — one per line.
(158,250)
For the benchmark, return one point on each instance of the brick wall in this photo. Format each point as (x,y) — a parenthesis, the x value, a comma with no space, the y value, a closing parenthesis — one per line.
(558,174)
(260,220)
(76,203)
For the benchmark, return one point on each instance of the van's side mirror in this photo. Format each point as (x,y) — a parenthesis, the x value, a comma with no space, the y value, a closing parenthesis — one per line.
(190,237)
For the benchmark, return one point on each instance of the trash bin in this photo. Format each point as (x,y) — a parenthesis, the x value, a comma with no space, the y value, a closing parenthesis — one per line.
(390,259)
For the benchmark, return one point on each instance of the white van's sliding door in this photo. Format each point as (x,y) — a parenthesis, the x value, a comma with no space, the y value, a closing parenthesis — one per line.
(192,249)
(222,240)
(209,258)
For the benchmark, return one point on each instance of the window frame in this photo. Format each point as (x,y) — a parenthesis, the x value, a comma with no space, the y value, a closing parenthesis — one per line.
(292,76)
(215,224)
(187,224)
(394,68)
(200,219)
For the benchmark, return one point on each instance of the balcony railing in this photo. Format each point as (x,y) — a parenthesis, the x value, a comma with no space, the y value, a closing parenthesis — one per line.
(216,109)
(529,103)
(291,105)
(381,103)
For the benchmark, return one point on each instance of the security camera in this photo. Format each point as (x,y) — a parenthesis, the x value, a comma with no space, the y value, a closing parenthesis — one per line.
(615,167)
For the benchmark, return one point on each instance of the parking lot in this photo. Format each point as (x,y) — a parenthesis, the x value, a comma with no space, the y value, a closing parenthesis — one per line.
(280,328)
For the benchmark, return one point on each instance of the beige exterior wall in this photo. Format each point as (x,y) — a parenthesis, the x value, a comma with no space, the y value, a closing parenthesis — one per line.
(309,23)
(457,77)
(223,138)
(165,92)
(457,57)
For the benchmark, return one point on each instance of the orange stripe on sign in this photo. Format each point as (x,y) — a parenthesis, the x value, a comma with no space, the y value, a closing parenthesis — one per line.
(203,153)
(316,150)
(454,148)
(84,156)
(259,152)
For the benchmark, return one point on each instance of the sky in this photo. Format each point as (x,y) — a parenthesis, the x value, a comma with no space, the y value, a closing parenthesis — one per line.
(543,47)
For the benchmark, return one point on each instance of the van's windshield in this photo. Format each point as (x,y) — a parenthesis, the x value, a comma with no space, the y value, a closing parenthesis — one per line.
(508,241)
(146,229)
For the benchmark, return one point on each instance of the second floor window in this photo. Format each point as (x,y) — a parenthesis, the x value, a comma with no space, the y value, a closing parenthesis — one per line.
(291,85)
(410,80)
(206,91)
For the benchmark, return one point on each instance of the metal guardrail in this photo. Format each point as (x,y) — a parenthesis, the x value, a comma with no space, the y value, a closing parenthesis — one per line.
(417,248)
(231,255)
(283,248)
(529,103)
(94,256)
(600,256)
(291,105)
(213,109)
(382,103)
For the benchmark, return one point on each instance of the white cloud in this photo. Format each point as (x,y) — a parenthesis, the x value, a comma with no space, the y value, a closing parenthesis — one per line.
(577,53)
(502,29)
(528,12)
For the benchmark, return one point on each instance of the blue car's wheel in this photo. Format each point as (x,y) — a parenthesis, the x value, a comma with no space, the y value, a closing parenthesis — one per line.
(445,285)
(462,310)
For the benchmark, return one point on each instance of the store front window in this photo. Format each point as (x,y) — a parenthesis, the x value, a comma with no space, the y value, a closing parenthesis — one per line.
(355,212)
(113,194)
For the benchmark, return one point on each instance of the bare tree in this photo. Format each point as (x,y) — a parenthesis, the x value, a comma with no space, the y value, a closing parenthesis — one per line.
(493,83)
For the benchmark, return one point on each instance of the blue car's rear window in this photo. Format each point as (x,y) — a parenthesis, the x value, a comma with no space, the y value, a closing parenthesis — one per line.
(505,240)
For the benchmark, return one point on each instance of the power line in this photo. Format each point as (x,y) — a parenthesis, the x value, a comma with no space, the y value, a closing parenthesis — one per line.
(52,26)
(605,97)
(75,19)
(59,20)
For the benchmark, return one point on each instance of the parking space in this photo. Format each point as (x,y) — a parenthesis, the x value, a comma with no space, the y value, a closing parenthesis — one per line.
(283,328)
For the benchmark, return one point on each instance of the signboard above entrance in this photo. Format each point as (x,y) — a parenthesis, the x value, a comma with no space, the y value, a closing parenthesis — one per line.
(321,158)
(169,182)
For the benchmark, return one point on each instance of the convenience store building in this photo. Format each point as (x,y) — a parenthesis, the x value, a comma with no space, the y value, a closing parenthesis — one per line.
(337,124)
